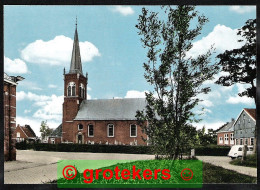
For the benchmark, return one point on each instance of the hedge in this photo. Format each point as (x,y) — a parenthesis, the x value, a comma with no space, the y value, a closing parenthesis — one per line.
(85,148)
(212,150)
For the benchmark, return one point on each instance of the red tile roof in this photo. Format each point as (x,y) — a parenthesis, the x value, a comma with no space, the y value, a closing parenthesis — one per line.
(251,112)
(28,131)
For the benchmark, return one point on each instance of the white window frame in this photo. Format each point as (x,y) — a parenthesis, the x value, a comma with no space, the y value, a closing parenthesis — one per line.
(246,141)
(252,138)
(88,130)
(108,130)
(52,141)
(231,138)
(71,84)
(220,140)
(240,141)
(79,128)
(226,138)
(18,135)
(135,130)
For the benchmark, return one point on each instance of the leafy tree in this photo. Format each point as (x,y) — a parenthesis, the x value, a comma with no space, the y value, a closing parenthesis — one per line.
(240,64)
(207,138)
(176,78)
(45,130)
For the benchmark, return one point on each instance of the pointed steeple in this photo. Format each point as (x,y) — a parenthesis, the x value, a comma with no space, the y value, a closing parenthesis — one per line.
(75,65)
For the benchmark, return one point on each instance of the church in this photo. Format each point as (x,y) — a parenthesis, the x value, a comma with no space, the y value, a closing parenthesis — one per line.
(101,121)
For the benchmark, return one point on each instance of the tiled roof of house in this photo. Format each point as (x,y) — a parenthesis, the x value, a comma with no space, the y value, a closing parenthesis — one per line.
(251,112)
(228,127)
(28,131)
(57,132)
(110,109)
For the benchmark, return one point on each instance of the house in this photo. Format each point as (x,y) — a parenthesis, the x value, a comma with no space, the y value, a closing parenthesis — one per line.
(225,135)
(56,135)
(244,127)
(101,121)
(9,94)
(24,133)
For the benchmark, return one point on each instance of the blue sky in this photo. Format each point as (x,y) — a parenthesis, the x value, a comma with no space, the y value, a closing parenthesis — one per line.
(38,45)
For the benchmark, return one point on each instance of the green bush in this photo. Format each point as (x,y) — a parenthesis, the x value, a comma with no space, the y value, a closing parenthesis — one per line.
(24,145)
(251,161)
(87,148)
(212,150)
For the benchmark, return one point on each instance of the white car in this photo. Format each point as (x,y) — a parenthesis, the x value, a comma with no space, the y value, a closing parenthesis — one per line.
(236,151)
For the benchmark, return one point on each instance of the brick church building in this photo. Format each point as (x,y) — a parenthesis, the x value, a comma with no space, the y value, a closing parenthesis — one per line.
(104,121)
(10,83)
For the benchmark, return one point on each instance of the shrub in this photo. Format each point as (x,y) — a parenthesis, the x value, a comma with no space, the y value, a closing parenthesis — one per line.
(251,161)
(212,150)
(127,149)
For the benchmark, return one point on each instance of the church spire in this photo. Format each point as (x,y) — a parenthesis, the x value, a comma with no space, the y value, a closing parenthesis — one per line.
(75,65)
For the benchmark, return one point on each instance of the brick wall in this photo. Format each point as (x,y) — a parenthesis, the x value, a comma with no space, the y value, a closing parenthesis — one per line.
(9,121)
(121,132)
(228,143)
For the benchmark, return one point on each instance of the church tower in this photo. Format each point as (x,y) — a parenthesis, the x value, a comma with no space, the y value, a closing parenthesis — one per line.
(75,85)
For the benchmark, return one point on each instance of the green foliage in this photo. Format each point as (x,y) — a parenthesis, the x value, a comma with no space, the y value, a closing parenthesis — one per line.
(86,148)
(240,64)
(212,150)
(45,130)
(251,161)
(207,138)
(176,77)
(216,174)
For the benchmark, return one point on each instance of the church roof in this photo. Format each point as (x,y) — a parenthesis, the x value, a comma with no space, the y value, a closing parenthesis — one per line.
(110,109)
(75,65)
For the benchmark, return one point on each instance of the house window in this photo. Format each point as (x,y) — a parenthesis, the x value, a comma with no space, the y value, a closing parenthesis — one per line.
(241,141)
(231,138)
(252,141)
(226,138)
(133,130)
(110,130)
(71,89)
(220,140)
(239,124)
(18,134)
(248,122)
(52,141)
(80,126)
(236,141)
(246,141)
(90,130)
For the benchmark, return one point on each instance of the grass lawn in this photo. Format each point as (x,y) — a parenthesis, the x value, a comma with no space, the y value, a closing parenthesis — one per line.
(216,174)
(211,174)
(251,161)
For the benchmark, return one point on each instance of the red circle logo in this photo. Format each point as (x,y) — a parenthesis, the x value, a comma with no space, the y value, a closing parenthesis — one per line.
(69,172)
(186,174)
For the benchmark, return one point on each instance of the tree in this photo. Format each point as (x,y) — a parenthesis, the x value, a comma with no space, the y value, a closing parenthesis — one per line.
(175,77)
(240,64)
(45,130)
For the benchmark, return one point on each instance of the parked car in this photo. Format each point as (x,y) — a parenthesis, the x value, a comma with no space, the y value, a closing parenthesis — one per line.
(236,151)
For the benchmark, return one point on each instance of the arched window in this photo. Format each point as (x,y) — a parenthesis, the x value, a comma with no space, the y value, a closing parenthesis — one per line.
(81,90)
(71,89)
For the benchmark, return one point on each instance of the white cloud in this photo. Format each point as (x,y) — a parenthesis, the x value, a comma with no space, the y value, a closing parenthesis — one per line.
(27,111)
(124,10)
(35,124)
(212,125)
(208,99)
(242,9)
(29,85)
(52,86)
(57,51)
(135,94)
(17,66)
(240,100)
(222,37)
